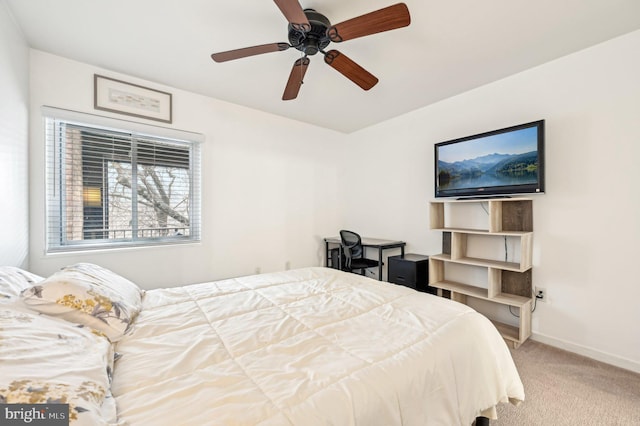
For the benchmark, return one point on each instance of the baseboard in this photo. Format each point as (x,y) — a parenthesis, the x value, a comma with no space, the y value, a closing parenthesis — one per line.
(607,358)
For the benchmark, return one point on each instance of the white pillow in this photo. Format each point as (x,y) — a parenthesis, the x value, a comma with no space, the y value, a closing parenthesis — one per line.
(47,361)
(13,280)
(90,295)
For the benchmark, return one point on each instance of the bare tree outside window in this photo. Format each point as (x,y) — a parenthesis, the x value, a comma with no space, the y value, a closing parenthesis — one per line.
(162,199)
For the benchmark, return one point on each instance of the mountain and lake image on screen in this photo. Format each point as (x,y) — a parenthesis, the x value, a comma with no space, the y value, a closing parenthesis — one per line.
(496,162)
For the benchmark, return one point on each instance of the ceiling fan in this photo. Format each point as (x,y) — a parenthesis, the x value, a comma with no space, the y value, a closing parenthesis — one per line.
(311,32)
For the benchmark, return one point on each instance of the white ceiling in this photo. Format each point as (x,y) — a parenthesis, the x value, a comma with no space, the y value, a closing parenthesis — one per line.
(450,47)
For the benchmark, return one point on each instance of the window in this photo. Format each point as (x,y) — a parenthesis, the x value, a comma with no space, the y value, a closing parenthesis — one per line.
(108,187)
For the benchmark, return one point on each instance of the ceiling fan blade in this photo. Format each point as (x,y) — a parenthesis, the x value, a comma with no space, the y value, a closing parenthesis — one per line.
(354,72)
(295,79)
(388,18)
(249,51)
(294,13)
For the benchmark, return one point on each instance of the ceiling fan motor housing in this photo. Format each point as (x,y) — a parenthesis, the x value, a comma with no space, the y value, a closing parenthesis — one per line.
(316,39)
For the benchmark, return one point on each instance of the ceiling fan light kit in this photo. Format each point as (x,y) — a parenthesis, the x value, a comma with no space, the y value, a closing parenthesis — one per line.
(311,32)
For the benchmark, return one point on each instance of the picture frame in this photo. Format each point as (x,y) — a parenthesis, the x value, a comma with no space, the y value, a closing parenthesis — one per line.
(121,97)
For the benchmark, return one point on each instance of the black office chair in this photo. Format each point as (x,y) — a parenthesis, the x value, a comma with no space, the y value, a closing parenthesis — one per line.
(354,253)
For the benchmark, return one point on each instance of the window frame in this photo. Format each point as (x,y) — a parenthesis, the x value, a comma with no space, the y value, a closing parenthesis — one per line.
(57,218)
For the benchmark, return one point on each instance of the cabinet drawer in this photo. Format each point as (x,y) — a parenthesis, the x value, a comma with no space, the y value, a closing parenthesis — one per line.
(402,274)
(398,279)
(410,270)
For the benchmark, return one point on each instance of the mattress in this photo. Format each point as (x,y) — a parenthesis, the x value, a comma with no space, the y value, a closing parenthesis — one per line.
(313,346)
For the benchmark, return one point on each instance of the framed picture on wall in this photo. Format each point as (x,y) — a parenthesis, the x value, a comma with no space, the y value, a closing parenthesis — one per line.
(131,99)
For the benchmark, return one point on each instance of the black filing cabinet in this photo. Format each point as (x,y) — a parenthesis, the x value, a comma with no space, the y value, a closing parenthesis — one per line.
(411,270)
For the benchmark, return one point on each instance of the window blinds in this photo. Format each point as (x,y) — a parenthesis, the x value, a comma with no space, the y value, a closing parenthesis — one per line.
(109,186)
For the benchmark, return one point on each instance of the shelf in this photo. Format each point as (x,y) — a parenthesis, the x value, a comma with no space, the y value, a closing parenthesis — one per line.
(467,290)
(508,332)
(486,263)
(481,200)
(511,300)
(503,214)
(482,293)
(484,232)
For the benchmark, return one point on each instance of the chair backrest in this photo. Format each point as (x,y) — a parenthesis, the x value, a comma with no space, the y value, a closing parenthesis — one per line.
(352,244)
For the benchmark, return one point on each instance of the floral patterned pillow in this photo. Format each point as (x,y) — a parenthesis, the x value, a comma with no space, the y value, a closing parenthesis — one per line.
(90,295)
(13,280)
(50,361)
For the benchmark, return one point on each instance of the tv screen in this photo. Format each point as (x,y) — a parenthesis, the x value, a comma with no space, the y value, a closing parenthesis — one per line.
(498,163)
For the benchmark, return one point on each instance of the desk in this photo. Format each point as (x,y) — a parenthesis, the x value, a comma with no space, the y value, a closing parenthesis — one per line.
(381,245)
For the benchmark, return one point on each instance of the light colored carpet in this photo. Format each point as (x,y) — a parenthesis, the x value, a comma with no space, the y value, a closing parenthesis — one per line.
(562,388)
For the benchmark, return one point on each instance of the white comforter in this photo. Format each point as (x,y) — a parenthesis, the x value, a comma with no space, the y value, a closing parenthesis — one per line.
(312,346)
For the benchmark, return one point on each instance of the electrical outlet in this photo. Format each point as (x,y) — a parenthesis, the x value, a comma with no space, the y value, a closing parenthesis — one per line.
(541,294)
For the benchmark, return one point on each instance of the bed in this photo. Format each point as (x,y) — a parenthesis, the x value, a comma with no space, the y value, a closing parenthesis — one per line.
(312,346)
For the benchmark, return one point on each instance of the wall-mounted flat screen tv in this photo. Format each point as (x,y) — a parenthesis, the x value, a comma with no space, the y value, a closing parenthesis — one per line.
(502,162)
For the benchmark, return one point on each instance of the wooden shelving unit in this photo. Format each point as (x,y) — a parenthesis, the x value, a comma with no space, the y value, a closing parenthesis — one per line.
(509,282)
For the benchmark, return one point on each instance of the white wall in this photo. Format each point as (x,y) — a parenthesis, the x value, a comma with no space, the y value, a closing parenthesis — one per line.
(587,225)
(14,119)
(268,185)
